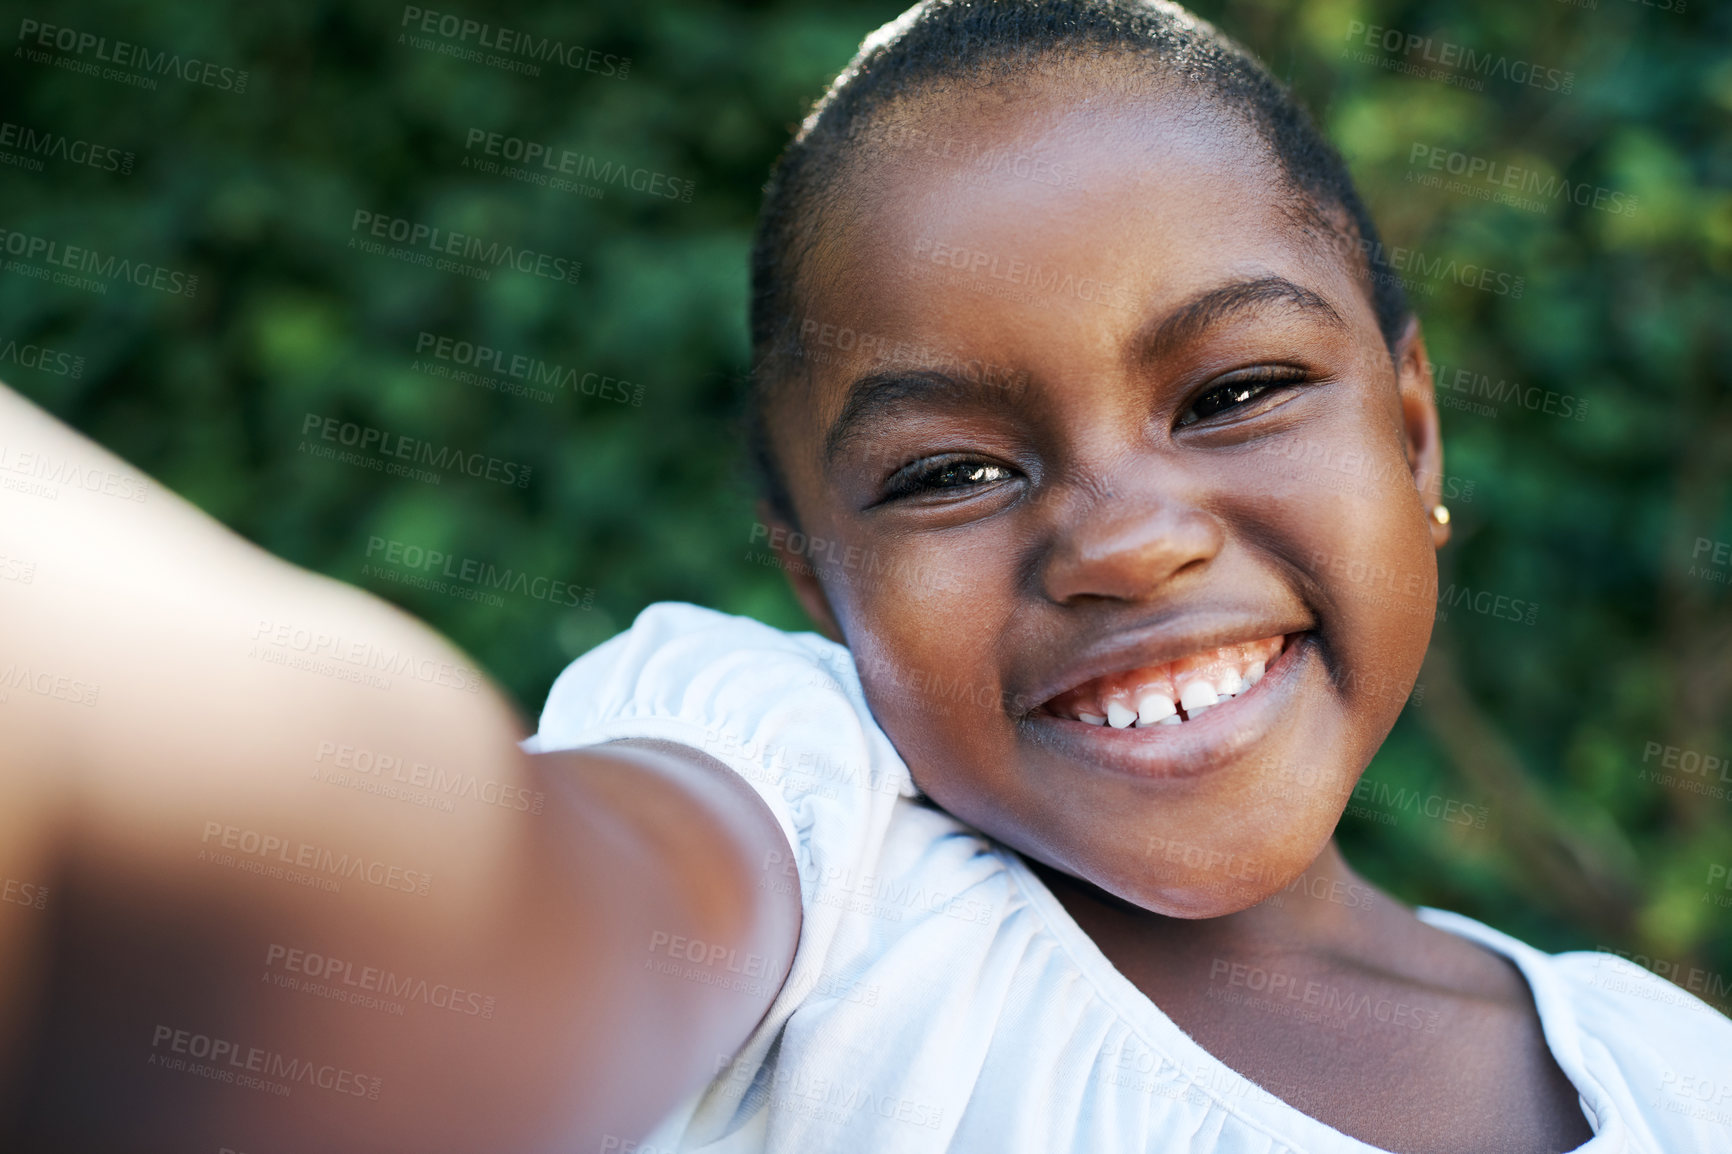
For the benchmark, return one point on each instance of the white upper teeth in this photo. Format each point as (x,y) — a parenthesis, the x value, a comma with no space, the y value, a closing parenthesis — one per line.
(1171,693)
(1198,694)
(1155,707)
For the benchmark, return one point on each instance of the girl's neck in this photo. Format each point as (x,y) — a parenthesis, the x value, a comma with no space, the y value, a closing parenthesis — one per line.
(1329,910)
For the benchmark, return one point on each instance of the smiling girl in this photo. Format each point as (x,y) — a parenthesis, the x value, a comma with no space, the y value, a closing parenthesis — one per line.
(1066,334)
(1132,668)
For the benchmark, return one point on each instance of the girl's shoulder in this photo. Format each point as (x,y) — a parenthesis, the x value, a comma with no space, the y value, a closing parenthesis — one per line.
(751,695)
(1656,1024)
(1638,1047)
(1669,1052)
(785,711)
(674,649)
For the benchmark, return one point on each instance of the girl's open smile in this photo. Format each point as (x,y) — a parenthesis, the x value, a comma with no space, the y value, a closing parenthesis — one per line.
(1173,691)
(1237,694)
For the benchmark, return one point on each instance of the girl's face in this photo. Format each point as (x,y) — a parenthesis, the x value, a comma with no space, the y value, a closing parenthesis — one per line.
(1094,424)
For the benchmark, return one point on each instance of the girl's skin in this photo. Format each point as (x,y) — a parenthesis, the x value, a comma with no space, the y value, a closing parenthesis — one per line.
(1075,521)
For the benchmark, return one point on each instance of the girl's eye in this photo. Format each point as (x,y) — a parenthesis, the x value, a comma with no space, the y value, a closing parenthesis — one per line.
(944,474)
(1242,389)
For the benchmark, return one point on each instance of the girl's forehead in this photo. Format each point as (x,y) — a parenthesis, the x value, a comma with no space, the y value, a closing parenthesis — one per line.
(982,225)
(1080,180)
(1078,105)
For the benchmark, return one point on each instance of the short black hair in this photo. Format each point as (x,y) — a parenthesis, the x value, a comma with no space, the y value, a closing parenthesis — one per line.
(944,42)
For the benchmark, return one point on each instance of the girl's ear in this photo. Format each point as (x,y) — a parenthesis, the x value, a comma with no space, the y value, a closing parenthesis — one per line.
(801,572)
(1419,426)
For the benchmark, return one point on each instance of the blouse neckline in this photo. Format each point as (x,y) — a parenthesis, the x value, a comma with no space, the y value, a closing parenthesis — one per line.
(1270,1114)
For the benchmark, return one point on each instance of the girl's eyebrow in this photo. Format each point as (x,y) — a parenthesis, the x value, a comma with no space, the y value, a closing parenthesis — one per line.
(1160,336)
(881,392)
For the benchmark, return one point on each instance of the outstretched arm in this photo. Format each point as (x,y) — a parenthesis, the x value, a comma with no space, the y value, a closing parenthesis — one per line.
(278,877)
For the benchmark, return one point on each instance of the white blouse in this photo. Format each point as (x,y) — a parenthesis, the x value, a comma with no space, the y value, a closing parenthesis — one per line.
(942,999)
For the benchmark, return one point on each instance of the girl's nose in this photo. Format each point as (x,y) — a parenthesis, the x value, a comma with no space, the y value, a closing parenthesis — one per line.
(1127,546)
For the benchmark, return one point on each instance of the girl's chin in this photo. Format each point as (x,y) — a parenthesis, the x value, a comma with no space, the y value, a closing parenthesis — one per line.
(1249,877)
(1201,905)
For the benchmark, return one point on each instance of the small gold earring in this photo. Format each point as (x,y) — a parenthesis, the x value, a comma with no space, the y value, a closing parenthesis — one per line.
(1440,514)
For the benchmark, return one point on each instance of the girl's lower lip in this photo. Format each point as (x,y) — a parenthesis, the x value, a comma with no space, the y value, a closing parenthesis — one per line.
(1192,748)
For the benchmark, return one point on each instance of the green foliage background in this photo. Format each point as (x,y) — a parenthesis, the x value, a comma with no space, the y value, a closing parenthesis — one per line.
(1594,520)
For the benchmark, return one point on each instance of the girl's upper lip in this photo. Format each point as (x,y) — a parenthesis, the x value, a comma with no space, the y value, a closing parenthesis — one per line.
(1124,651)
